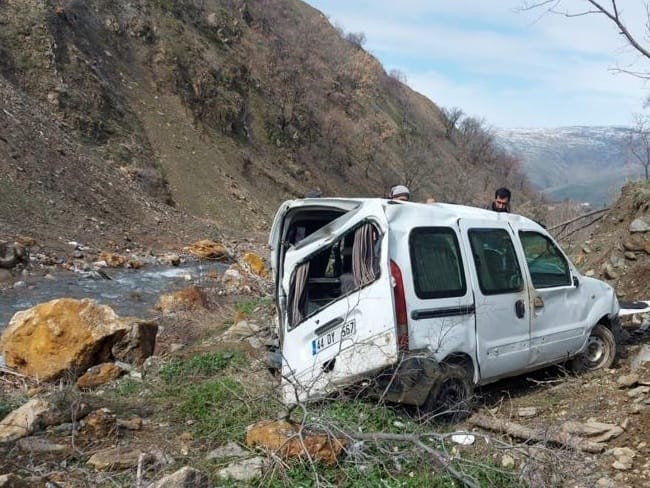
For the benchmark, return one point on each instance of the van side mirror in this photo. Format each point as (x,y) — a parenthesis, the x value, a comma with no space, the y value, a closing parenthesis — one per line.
(576,281)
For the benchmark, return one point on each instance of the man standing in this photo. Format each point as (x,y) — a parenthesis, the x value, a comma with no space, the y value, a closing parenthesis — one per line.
(501,202)
(400,192)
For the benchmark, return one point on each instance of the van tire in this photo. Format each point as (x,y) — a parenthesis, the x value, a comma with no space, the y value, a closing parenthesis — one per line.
(600,351)
(450,398)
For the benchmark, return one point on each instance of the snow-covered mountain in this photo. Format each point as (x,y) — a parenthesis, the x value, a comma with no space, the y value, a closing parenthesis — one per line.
(584,164)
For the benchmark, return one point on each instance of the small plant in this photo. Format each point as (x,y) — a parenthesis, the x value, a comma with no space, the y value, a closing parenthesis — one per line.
(248,306)
(202,365)
(128,387)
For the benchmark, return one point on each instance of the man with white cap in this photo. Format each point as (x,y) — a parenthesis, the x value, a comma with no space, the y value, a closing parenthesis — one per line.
(400,192)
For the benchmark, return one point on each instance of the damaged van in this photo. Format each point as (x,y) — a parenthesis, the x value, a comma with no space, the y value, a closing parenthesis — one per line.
(421,302)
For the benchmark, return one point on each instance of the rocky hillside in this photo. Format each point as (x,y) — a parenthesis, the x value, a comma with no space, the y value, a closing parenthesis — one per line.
(136,118)
(583,164)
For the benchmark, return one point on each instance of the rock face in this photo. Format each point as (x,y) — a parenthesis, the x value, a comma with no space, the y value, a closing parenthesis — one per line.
(185,477)
(62,335)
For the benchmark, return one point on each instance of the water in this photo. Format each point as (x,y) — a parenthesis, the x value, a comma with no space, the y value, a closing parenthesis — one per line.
(130,292)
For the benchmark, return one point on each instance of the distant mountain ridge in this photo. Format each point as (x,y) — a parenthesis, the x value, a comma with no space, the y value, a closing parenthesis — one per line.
(580,163)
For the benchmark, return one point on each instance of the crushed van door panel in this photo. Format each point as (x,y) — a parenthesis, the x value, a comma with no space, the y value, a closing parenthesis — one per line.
(338,324)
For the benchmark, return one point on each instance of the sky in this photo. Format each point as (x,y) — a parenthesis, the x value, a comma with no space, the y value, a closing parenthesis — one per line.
(510,67)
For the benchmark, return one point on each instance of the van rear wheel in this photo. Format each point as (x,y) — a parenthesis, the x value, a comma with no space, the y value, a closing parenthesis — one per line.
(599,353)
(450,398)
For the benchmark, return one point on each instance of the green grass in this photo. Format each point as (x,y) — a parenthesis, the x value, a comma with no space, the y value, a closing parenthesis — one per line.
(202,365)
(248,306)
(416,472)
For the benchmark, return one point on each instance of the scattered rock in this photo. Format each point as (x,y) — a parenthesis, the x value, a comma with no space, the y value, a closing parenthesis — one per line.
(137,344)
(98,375)
(527,411)
(191,298)
(291,440)
(33,415)
(639,225)
(132,423)
(37,445)
(207,249)
(100,424)
(112,260)
(13,481)
(230,450)
(638,391)
(244,470)
(186,477)
(115,458)
(256,264)
(507,461)
(628,380)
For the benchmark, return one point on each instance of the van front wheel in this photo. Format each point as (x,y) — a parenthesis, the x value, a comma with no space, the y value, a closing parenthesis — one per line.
(599,353)
(450,397)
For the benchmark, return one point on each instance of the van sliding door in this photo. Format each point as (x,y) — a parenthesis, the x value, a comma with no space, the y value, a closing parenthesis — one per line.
(502,304)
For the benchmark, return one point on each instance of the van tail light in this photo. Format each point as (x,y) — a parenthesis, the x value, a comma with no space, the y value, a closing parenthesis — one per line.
(401,317)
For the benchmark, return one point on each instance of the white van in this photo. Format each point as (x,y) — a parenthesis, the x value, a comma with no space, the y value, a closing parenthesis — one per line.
(426,300)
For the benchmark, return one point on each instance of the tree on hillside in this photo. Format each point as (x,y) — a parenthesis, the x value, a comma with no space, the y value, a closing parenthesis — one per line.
(638,143)
(450,119)
(597,7)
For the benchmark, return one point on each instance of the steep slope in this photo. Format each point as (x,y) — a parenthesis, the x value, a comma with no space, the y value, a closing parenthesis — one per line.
(217,109)
(584,164)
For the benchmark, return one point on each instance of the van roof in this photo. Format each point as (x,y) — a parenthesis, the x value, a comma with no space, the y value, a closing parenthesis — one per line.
(404,214)
(438,210)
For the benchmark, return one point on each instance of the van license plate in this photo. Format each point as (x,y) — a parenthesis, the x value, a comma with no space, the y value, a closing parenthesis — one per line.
(334,336)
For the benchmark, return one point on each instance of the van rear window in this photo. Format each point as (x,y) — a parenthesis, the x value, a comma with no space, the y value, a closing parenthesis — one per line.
(436,263)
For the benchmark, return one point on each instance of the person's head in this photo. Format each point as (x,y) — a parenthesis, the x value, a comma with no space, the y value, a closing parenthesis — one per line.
(501,201)
(400,192)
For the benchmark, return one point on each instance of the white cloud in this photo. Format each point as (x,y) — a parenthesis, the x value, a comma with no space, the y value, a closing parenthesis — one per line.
(512,68)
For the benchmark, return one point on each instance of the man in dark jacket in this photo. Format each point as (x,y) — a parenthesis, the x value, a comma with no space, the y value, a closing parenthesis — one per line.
(501,202)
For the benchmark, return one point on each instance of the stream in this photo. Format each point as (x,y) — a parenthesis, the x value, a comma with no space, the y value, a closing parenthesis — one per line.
(130,292)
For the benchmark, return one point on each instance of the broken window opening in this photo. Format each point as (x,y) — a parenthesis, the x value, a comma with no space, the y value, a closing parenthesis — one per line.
(347,265)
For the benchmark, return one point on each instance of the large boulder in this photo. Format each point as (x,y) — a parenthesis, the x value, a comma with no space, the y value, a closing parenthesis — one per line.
(63,336)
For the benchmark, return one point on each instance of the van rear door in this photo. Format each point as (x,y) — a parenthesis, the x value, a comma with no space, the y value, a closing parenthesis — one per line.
(337,321)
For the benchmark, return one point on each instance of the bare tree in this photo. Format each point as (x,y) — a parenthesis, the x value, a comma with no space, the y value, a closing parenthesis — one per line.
(597,7)
(450,119)
(638,143)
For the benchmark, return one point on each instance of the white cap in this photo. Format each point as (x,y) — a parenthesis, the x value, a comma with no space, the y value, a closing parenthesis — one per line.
(399,190)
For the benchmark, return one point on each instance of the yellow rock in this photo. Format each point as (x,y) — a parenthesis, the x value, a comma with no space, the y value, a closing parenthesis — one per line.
(256,264)
(61,336)
(207,249)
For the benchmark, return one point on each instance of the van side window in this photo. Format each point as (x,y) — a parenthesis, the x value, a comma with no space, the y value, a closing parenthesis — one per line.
(496,262)
(436,263)
(547,265)
(345,266)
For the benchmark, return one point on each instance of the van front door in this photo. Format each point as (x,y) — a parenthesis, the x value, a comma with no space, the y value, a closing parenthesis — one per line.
(560,309)
(339,323)
(501,300)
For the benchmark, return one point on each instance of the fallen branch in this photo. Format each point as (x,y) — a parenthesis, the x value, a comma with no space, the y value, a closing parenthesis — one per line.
(522,432)
(440,460)
(579,217)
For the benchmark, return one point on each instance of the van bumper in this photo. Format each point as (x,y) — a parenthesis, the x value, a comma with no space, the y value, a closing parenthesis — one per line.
(410,380)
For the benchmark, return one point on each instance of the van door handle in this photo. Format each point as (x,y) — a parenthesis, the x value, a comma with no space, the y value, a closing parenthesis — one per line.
(520,309)
(329,325)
